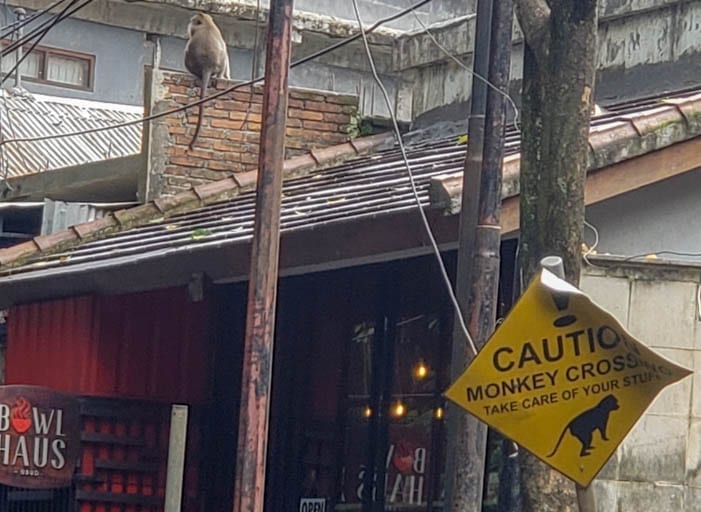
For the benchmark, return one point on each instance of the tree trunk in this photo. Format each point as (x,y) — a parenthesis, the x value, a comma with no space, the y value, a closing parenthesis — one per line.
(558,79)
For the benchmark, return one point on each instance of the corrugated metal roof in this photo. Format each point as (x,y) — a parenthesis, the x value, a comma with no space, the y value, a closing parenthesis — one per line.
(366,187)
(32,115)
(369,186)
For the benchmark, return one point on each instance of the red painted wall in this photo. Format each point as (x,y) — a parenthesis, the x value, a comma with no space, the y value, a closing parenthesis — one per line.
(150,345)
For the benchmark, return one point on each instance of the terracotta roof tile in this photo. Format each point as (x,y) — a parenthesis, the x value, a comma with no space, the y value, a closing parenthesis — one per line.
(18,252)
(215,190)
(168,203)
(299,165)
(652,120)
(690,108)
(58,239)
(90,229)
(246,180)
(130,216)
(324,156)
(364,144)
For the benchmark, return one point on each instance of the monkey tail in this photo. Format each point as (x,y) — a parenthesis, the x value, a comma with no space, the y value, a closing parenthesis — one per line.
(557,445)
(203,92)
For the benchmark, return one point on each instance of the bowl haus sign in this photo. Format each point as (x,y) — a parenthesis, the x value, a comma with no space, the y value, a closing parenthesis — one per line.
(39,437)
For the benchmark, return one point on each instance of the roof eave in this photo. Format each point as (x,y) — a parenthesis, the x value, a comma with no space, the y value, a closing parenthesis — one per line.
(634,136)
(198,196)
(385,237)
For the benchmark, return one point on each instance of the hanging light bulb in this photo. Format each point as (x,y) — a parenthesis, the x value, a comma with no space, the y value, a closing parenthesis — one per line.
(398,409)
(367,412)
(421,370)
(438,413)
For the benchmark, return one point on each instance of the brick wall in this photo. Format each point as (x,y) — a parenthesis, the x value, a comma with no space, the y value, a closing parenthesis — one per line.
(228,140)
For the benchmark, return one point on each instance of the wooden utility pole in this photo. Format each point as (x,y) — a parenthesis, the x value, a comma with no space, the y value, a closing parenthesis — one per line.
(479,240)
(558,79)
(249,489)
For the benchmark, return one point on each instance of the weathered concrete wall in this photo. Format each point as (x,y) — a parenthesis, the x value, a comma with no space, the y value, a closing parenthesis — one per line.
(432,12)
(658,466)
(658,49)
(645,46)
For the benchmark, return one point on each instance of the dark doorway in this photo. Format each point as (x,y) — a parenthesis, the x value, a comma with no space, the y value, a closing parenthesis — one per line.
(357,415)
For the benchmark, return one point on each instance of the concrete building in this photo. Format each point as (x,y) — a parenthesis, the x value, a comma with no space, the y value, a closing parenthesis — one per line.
(160,287)
(645,46)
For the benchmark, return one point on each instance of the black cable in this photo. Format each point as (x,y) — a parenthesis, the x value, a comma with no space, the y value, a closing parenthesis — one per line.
(40,31)
(659,253)
(219,94)
(462,324)
(254,68)
(64,14)
(16,25)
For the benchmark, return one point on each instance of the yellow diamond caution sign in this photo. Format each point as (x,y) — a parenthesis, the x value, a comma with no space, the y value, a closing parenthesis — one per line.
(563,378)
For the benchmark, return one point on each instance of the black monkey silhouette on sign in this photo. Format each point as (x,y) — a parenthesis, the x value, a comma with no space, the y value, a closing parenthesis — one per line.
(583,425)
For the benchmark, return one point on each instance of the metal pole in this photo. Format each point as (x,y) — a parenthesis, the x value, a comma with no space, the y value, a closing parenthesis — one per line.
(467,436)
(21,13)
(176,458)
(249,489)
(585,495)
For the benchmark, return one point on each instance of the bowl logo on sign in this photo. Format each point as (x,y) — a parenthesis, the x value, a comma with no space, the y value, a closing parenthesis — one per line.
(21,417)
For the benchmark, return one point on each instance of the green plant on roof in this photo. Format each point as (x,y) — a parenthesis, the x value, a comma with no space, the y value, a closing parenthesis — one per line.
(200,233)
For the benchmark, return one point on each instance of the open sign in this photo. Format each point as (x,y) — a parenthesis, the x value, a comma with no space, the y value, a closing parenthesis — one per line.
(312,505)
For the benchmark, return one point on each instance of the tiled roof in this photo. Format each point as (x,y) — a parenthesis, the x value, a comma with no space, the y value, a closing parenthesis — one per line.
(33,115)
(221,213)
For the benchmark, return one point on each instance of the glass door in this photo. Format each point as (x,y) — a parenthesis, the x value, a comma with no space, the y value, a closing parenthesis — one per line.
(394,435)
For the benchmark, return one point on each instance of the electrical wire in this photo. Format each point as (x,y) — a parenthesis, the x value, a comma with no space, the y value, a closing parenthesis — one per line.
(591,249)
(35,32)
(254,68)
(647,255)
(410,173)
(4,160)
(4,168)
(206,99)
(16,25)
(63,15)
(41,29)
(661,253)
(21,151)
(461,64)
